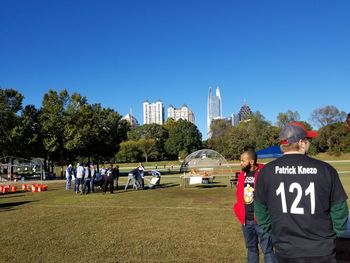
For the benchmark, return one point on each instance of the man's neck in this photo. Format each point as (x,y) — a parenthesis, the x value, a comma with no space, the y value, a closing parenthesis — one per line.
(254,168)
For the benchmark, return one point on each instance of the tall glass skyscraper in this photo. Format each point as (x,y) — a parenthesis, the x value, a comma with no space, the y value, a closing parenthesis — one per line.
(214,110)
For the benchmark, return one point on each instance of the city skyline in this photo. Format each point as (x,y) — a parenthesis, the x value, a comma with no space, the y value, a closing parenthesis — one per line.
(274,55)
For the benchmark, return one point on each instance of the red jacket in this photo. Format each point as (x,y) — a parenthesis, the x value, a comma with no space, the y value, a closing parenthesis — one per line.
(238,207)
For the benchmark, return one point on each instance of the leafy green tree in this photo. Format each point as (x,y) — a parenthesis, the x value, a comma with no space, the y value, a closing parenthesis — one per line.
(147,146)
(129,152)
(220,130)
(52,121)
(183,136)
(10,104)
(284,118)
(27,138)
(111,131)
(169,123)
(333,138)
(93,132)
(327,115)
(152,131)
(256,133)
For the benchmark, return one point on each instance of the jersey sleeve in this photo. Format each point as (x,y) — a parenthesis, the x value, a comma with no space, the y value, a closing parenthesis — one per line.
(338,193)
(339,215)
(260,193)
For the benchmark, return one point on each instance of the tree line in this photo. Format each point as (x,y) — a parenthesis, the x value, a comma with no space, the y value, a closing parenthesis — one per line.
(67,128)
(230,141)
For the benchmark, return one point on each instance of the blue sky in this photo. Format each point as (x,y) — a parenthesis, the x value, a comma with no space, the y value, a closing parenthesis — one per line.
(275,55)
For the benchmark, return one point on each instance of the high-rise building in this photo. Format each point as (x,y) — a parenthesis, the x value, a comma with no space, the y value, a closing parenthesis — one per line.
(181,113)
(214,110)
(153,112)
(235,119)
(131,119)
(245,113)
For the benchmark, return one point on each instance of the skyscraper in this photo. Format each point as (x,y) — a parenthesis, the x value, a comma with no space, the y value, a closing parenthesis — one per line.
(153,112)
(182,113)
(131,119)
(214,108)
(245,113)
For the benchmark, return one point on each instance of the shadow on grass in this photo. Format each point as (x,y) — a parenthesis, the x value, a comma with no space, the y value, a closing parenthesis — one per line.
(12,195)
(167,185)
(212,185)
(12,205)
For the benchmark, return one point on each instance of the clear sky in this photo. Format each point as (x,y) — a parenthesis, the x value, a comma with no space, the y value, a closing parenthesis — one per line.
(275,55)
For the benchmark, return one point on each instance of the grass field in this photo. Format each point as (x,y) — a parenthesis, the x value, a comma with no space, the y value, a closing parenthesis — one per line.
(169,224)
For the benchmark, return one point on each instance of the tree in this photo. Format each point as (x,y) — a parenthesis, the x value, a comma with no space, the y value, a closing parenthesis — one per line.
(287,117)
(333,138)
(327,115)
(152,131)
(27,138)
(52,121)
(129,152)
(91,131)
(184,136)
(220,130)
(10,104)
(256,133)
(147,147)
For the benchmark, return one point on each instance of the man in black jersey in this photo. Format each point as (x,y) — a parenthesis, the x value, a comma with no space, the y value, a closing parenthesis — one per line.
(300,201)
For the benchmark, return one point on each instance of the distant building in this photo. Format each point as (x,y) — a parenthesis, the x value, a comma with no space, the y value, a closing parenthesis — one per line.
(235,119)
(153,112)
(245,113)
(214,109)
(181,113)
(132,120)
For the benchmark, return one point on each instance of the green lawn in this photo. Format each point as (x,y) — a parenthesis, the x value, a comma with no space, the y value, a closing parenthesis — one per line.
(169,224)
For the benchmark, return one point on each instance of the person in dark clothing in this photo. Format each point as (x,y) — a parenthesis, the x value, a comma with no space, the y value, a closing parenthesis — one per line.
(132,176)
(301,201)
(109,180)
(116,176)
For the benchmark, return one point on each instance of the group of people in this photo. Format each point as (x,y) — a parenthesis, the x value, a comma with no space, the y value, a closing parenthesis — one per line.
(86,177)
(137,178)
(295,206)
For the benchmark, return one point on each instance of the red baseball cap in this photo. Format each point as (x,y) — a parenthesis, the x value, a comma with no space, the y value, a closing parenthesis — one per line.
(295,131)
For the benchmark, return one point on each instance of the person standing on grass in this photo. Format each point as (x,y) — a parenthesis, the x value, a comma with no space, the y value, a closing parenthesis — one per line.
(116,176)
(141,175)
(69,172)
(244,209)
(93,176)
(300,201)
(109,180)
(87,178)
(132,176)
(79,179)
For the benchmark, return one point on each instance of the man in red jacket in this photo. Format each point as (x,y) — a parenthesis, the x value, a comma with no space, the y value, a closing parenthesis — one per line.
(244,209)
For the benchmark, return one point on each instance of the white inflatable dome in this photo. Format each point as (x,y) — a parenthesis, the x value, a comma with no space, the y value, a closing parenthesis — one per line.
(206,161)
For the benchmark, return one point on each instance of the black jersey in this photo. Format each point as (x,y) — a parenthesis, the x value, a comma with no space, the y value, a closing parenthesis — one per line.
(249,195)
(298,192)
